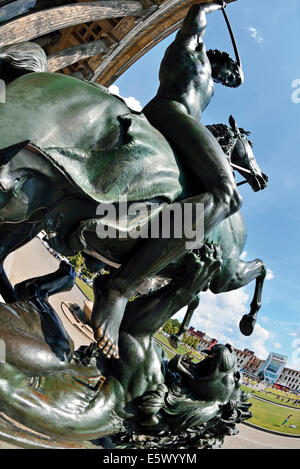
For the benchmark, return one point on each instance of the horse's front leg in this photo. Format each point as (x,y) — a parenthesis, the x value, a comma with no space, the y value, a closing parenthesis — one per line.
(246,273)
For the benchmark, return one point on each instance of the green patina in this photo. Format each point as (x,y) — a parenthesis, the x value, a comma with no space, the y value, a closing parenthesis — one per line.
(106,149)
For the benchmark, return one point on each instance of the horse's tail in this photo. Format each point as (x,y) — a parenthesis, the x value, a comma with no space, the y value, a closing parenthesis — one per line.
(19,59)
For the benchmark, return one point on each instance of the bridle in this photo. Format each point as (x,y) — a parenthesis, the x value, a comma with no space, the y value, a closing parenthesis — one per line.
(239,168)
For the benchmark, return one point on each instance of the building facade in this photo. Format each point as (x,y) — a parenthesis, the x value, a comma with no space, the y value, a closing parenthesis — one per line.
(205,342)
(248,362)
(272,368)
(290,378)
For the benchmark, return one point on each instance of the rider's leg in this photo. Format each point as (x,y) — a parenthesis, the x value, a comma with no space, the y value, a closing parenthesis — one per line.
(200,155)
(203,157)
(148,313)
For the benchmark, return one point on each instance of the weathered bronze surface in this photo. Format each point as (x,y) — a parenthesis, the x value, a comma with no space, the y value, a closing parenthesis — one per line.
(66,146)
(60,393)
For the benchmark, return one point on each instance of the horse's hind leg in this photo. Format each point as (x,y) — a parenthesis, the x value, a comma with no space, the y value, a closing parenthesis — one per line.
(246,273)
(12,237)
(248,321)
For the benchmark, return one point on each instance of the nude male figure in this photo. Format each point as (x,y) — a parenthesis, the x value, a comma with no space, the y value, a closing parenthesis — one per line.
(187,76)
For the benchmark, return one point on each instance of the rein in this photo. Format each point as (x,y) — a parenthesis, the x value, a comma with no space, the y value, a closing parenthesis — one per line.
(240,168)
(235,166)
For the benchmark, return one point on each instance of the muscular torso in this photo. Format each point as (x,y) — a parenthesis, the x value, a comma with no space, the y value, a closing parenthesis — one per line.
(63,400)
(139,368)
(185,75)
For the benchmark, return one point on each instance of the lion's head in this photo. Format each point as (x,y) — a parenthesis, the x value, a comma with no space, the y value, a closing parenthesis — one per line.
(216,378)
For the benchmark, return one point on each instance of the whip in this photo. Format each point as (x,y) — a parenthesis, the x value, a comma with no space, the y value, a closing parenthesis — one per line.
(235,48)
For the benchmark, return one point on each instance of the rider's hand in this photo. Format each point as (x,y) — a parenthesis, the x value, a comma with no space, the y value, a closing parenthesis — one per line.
(222,3)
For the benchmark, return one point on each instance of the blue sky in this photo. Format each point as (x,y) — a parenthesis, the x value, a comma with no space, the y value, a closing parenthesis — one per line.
(268,35)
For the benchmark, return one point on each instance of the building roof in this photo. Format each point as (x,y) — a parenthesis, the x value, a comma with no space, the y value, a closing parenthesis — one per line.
(98,40)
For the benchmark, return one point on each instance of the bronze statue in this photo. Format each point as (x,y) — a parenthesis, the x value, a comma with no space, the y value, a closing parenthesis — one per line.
(90,148)
(75,396)
(69,147)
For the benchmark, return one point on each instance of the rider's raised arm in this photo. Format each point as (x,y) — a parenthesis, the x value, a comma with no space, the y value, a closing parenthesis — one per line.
(194,24)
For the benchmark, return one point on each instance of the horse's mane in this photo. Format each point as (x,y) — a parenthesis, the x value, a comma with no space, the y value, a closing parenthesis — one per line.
(226,136)
(184,421)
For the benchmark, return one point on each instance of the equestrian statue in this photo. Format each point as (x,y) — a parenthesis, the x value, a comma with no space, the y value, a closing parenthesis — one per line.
(68,146)
(71,154)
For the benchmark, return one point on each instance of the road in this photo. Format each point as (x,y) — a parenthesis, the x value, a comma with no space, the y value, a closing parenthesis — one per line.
(33,260)
(36,260)
(251,438)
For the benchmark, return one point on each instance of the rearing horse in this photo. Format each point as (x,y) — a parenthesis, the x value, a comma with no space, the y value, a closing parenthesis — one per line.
(69,145)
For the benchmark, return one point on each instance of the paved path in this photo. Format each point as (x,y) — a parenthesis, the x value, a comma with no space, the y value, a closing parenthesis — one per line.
(251,438)
(35,260)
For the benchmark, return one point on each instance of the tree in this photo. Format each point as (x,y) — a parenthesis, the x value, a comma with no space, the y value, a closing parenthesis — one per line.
(176,324)
(190,340)
(168,327)
(195,343)
(77,261)
(187,338)
(86,272)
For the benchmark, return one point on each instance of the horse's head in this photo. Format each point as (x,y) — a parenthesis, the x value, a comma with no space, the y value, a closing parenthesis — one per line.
(243,160)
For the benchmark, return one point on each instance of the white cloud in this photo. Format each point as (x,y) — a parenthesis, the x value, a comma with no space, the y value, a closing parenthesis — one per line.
(270,275)
(277,345)
(219,316)
(256,35)
(243,255)
(264,319)
(294,360)
(130,101)
(293,333)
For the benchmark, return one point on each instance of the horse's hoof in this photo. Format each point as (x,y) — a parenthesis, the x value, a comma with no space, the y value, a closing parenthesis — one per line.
(247,324)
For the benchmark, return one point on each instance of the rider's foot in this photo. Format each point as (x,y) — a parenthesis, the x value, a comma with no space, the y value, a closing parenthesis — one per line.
(107,316)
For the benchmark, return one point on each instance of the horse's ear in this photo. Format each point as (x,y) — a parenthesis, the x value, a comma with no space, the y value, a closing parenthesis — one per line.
(233,124)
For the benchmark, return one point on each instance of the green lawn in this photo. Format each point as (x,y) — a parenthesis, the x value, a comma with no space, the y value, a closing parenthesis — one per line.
(271,396)
(271,416)
(87,290)
(180,350)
